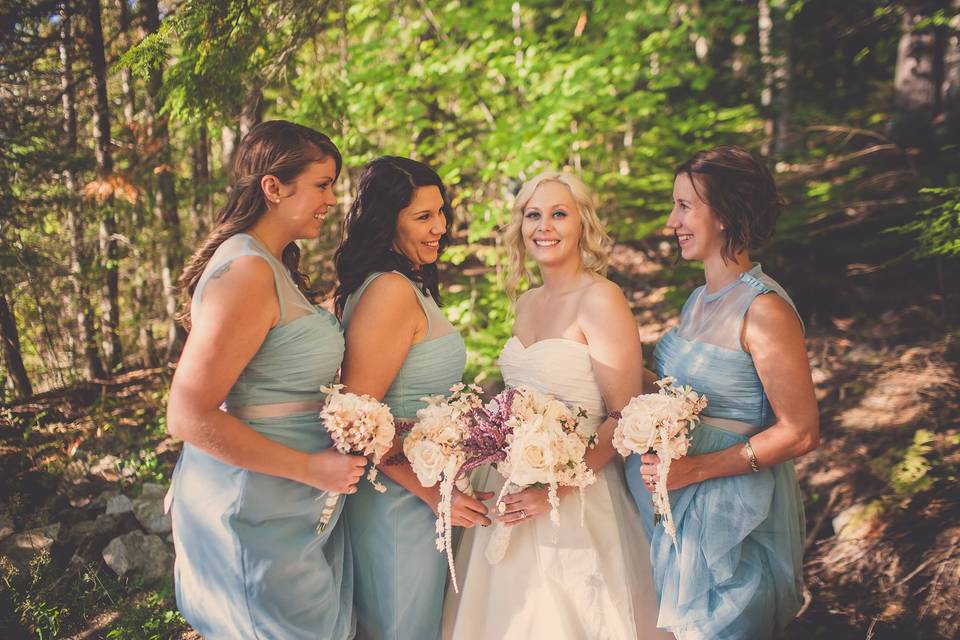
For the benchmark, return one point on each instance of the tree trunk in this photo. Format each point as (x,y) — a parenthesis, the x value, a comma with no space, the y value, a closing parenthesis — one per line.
(228,150)
(251,113)
(110,255)
(775,99)
(80,303)
(919,76)
(951,77)
(145,341)
(345,183)
(126,74)
(165,202)
(12,357)
(200,212)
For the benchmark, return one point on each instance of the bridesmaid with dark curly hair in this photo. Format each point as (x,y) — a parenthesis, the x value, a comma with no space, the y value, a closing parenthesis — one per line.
(400,348)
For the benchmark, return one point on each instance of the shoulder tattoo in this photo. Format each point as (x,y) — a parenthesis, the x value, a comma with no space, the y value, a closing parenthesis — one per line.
(219,271)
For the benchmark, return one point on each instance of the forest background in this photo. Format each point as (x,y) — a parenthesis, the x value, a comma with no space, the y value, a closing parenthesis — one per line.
(119,120)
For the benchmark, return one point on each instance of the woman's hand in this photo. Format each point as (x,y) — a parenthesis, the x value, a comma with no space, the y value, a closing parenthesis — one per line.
(466,511)
(683,472)
(331,470)
(527,504)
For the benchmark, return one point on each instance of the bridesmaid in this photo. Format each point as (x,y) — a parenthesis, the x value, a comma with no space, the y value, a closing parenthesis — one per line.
(735,498)
(247,491)
(400,348)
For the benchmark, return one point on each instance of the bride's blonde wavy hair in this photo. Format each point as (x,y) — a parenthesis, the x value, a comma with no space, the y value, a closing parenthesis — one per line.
(595,244)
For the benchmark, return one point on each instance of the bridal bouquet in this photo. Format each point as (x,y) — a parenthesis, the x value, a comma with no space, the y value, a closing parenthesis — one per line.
(660,422)
(360,425)
(542,447)
(435,450)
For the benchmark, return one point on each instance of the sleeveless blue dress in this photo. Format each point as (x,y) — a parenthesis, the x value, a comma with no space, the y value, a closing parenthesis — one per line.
(739,571)
(399,576)
(249,562)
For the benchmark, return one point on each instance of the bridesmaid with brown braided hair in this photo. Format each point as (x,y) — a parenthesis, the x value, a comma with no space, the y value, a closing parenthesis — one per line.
(249,486)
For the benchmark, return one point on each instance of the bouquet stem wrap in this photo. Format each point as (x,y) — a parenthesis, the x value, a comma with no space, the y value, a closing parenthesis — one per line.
(500,538)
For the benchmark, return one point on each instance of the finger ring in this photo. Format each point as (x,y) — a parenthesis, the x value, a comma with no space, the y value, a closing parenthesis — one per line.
(523,514)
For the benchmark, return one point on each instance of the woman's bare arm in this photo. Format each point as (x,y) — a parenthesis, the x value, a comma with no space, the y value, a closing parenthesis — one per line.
(225,335)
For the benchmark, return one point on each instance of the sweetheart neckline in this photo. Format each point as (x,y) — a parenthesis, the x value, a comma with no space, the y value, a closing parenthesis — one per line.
(542,340)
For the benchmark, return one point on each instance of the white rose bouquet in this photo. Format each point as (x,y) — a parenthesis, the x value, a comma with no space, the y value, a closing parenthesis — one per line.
(360,425)
(436,453)
(660,422)
(543,447)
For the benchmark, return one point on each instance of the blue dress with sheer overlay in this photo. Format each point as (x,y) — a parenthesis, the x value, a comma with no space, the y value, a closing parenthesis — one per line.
(399,576)
(249,561)
(738,574)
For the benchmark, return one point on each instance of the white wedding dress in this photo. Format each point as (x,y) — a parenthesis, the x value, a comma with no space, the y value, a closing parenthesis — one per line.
(568,583)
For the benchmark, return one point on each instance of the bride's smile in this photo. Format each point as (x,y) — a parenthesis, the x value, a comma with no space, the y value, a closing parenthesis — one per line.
(551,227)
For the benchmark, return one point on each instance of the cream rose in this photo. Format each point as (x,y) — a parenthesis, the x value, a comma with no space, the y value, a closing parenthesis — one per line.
(427,459)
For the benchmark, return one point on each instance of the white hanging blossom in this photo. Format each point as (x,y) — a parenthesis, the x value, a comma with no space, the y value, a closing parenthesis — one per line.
(434,448)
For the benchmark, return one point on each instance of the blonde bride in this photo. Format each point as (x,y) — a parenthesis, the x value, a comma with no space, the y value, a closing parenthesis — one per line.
(574,338)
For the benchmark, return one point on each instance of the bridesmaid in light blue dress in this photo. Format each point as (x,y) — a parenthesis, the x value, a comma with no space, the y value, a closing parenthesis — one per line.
(400,348)
(248,489)
(735,499)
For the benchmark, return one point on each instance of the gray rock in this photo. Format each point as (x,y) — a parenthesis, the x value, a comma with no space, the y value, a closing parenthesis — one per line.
(153,491)
(101,500)
(6,526)
(104,523)
(119,504)
(21,548)
(139,554)
(150,515)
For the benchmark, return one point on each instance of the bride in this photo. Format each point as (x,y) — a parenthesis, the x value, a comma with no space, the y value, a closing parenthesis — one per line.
(576,339)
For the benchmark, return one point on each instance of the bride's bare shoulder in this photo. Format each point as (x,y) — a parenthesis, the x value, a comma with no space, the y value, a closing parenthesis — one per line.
(602,295)
(526,298)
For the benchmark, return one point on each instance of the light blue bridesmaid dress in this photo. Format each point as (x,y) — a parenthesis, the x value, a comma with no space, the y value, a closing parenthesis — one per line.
(399,575)
(739,571)
(249,561)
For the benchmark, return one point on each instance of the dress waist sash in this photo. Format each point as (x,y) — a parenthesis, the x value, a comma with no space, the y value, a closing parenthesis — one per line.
(734,426)
(276,410)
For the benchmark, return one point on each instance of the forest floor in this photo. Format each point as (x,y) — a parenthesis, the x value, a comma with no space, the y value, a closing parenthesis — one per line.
(883,518)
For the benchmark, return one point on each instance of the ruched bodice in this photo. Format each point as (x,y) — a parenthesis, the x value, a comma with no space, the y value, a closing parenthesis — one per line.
(431,368)
(294,361)
(728,378)
(299,355)
(704,350)
(432,365)
(565,373)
